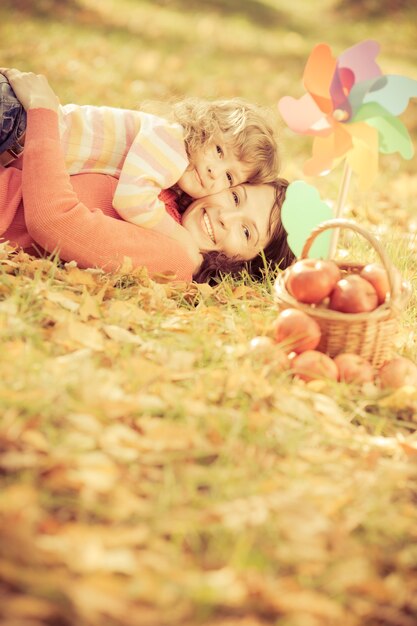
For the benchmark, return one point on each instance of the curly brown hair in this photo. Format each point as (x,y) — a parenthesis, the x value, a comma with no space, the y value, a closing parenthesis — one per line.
(276,254)
(248,129)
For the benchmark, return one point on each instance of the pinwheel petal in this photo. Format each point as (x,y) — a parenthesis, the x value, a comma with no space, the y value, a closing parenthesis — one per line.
(318,75)
(339,90)
(304,116)
(360,58)
(326,150)
(322,157)
(362,90)
(393,135)
(363,156)
(392,92)
(301,211)
(347,78)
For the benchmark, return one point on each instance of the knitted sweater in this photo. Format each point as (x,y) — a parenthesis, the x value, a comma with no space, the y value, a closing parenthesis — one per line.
(74,215)
(147,153)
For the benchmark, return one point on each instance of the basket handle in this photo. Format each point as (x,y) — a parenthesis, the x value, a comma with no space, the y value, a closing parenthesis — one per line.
(349,224)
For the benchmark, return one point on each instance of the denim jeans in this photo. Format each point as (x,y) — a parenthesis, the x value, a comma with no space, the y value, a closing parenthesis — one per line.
(12,116)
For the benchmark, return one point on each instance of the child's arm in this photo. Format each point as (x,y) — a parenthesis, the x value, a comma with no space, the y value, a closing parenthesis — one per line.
(156,160)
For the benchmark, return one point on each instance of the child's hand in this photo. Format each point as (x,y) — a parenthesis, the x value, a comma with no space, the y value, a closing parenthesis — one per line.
(32,90)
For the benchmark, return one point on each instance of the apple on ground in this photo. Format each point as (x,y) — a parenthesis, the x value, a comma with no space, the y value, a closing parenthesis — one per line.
(353,368)
(398,372)
(296,331)
(313,365)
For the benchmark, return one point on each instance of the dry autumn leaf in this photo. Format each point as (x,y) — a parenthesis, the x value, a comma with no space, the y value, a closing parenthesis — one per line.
(121,335)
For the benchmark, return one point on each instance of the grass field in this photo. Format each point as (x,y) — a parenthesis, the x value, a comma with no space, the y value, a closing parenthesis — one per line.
(156,471)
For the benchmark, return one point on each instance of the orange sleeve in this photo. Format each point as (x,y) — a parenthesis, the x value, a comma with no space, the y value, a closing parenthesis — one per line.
(12,219)
(10,195)
(73,215)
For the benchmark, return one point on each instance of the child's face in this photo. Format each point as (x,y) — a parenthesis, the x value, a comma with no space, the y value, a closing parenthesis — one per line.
(235,221)
(212,169)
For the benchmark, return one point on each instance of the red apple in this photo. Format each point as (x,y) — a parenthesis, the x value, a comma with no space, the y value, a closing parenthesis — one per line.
(313,365)
(378,277)
(353,294)
(297,331)
(354,368)
(312,280)
(397,373)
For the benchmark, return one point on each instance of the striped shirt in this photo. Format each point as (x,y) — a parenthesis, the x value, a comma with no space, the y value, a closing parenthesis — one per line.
(145,152)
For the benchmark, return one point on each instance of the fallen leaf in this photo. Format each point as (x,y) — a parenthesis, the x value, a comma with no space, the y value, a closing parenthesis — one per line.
(121,335)
(75,333)
(75,276)
(89,307)
(57,297)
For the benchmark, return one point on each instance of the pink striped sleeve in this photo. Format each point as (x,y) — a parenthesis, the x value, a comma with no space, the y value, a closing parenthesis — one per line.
(156,160)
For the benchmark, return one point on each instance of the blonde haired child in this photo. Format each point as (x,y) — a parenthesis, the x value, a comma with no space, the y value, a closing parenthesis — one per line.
(200,148)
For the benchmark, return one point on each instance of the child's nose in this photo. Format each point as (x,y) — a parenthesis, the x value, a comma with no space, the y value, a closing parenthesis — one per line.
(213,171)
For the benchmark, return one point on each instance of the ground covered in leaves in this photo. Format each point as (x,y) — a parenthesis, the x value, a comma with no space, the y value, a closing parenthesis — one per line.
(154,469)
(157,470)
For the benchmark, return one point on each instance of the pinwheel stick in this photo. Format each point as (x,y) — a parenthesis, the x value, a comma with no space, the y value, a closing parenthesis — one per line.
(340,204)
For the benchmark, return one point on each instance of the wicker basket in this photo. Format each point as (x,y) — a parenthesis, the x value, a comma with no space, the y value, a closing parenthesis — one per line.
(371,335)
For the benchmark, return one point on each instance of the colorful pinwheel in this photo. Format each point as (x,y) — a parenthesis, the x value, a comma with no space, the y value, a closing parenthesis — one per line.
(350,107)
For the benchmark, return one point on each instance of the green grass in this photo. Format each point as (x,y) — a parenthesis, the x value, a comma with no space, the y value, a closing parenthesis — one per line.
(154,469)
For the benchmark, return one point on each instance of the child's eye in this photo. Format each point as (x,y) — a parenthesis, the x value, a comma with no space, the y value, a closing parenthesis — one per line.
(229,178)
(235,198)
(219,150)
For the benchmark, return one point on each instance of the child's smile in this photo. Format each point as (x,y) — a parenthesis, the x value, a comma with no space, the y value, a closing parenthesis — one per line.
(211,170)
